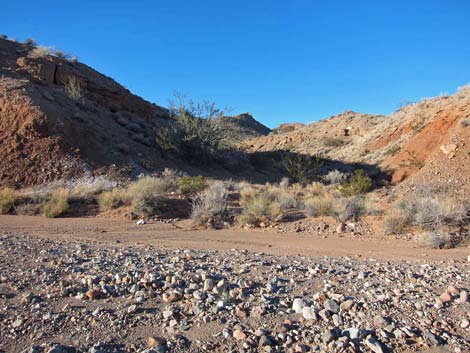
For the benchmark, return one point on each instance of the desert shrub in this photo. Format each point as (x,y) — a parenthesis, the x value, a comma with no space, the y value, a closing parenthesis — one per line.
(349,208)
(40,52)
(147,194)
(30,43)
(74,59)
(302,168)
(60,54)
(194,134)
(260,208)
(57,204)
(357,183)
(75,89)
(333,142)
(334,177)
(110,200)
(91,187)
(3,36)
(434,211)
(439,239)
(393,150)
(210,206)
(7,200)
(192,185)
(320,205)
(395,221)
(283,198)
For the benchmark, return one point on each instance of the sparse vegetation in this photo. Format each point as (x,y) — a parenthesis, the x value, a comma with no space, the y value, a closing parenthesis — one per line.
(302,168)
(393,150)
(192,185)
(7,200)
(321,205)
(350,208)
(30,43)
(75,89)
(3,36)
(60,54)
(334,177)
(333,142)
(147,194)
(395,221)
(57,204)
(40,52)
(439,239)
(210,206)
(113,199)
(357,183)
(89,188)
(260,209)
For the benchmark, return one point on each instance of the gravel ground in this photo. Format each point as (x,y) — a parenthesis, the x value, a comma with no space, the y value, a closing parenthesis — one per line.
(67,296)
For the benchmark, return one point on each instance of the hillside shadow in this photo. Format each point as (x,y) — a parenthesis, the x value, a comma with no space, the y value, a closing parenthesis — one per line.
(269,167)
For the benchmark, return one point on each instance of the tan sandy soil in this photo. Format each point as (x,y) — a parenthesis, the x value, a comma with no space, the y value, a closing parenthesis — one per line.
(180,235)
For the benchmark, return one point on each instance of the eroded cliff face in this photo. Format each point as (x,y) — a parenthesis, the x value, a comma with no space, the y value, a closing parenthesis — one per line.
(47,133)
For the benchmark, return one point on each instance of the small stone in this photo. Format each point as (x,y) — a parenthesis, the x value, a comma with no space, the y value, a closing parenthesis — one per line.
(463,298)
(331,306)
(445,297)
(17,323)
(208,284)
(346,305)
(375,346)
(309,313)
(172,297)
(341,228)
(297,305)
(452,290)
(239,335)
(140,222)
(93,294)
(465,323)
(153,342)
(430,338)
(329,336)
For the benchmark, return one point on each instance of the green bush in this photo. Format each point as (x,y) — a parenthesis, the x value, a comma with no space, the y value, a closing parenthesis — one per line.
(357,183)
(333,142)
(302,168)
(7,200)
(192,185)
(57,204)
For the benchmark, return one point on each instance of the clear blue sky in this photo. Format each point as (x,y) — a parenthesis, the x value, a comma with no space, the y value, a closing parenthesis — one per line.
(283,61)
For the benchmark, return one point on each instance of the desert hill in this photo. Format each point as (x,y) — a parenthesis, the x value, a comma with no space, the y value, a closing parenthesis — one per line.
(423,143)
(60,118)
(241,127)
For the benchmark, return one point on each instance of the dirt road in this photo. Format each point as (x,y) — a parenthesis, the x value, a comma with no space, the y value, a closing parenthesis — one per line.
(181,236)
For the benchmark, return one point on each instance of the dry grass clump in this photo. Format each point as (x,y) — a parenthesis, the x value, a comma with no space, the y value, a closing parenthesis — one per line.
(113,199)
(57,204)
(426,210)
(7,200)
(465,122)
(439,239)
(75,89)
(320,205)
(147,193)
(350,208)
(40,52)
(334,177)
(88,188)
(260,209)
(395,221)
(210,206)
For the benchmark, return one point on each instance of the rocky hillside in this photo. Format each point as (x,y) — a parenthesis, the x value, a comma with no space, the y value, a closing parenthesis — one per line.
(241,127)
(60,118)
(421,144)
